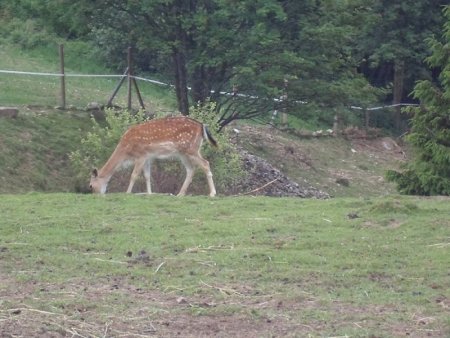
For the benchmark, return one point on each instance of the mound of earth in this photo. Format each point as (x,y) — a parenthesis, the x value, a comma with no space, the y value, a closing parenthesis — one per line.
(264,179)
(280,163)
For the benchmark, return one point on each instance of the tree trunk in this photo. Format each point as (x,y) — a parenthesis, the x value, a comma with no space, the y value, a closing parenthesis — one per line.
(181,81)
(399,77)
(179,60)
(199,87)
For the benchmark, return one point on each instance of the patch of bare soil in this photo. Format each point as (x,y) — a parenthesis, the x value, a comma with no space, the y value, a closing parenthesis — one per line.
(114,308)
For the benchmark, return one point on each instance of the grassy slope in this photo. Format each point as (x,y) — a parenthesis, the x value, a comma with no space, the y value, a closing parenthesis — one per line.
(35,147)
(256,265)
(34,150)
(323,162)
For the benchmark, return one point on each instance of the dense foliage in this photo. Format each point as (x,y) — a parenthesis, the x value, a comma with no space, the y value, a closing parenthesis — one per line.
(429,173)
(97,146)
(320,56)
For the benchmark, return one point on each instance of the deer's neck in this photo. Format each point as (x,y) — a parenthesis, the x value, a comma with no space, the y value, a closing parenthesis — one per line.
(111,165)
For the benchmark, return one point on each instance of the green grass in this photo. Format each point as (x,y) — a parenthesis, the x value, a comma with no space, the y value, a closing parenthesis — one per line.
(45,90)
(35,148)
(383,271)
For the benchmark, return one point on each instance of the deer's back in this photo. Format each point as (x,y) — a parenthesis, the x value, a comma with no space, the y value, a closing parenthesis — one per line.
(171,134)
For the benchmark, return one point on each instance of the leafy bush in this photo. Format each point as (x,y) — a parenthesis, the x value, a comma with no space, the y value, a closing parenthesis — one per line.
(99,143)
(27,34)
(225,161)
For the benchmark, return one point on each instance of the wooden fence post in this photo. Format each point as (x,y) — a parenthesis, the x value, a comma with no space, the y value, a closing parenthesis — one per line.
(129,78)
(116,90)
(63,77)
(367,118)
(284,116)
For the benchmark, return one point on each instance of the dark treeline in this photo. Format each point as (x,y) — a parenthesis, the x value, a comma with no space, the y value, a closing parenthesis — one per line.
(330,54)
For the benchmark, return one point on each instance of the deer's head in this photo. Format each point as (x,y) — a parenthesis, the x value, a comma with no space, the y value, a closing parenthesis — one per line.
(97,184)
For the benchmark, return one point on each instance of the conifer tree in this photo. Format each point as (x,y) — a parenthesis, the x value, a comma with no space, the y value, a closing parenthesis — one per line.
(429,172)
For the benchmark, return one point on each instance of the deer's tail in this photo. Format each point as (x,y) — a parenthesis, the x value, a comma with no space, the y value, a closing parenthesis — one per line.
(207,135)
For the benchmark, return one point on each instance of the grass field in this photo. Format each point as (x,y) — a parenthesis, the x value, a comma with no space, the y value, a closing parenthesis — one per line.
(145,266)
(38,90)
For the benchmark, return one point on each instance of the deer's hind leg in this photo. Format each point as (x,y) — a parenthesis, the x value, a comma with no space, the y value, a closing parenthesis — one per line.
(189,175)
(204,165)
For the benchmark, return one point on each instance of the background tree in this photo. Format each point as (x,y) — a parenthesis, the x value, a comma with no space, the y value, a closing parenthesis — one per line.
(325,36)
(429,173)
(257,50)
(321,56)
(395,45)
(208,46)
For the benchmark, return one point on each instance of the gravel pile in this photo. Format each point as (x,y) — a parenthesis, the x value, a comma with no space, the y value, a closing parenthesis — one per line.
(265,179)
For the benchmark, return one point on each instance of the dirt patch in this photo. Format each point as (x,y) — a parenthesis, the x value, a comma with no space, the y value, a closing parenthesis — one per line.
(380,149)
(115,308)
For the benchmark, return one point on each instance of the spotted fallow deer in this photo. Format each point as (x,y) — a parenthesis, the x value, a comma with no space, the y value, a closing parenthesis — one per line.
(178,137)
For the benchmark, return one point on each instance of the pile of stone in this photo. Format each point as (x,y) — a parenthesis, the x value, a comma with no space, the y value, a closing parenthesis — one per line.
(264,179)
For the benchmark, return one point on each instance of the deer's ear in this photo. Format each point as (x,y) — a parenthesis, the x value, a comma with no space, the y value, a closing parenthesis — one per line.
(94,172)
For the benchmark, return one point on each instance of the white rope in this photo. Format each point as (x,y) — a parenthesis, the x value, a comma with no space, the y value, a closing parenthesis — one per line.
(387,106)
(92,75)
(169,85)
(152,81)
(28,73)
(56,74)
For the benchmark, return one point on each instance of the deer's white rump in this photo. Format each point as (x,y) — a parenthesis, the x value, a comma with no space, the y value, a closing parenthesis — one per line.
(179,137)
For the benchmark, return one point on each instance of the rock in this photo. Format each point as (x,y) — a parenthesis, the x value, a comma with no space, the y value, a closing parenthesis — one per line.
(10,112)
(264,179)
(93,106)
(343,181)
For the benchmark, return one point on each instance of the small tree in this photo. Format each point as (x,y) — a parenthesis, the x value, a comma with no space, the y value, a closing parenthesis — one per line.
(429,172)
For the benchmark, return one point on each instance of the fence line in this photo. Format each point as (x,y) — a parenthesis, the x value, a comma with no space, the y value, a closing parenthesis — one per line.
(386,106)
(58,74)
(170,85)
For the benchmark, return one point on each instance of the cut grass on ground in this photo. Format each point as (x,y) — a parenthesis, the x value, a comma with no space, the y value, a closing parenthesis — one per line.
(235,266)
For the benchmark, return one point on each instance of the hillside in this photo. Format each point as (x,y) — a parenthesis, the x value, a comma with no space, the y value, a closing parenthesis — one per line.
(35,148)
(350,165)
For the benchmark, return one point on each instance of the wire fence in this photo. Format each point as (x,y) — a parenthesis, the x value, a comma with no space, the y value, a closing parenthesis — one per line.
(22,88)
(67,90)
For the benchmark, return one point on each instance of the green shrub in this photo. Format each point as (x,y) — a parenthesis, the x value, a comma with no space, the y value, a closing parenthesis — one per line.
(225,161)
(99,143)
(27,34)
